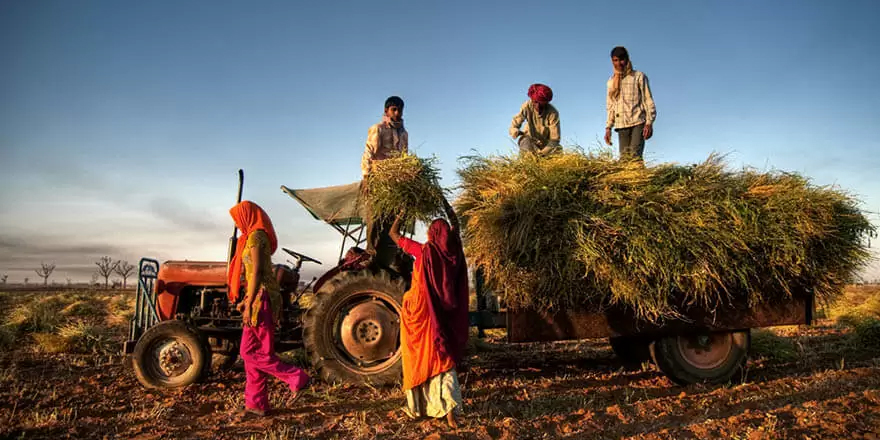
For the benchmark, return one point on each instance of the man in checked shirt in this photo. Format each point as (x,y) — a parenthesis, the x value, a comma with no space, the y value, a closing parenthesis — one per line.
(630,107)
(384,139)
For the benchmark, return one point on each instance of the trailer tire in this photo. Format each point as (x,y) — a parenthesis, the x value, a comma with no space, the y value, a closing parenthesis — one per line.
(171,354)
(352,332)
(705,357)
(631,350)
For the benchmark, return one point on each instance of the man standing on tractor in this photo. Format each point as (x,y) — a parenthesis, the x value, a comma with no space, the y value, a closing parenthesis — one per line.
(630,107)
(385,139)
(542,131)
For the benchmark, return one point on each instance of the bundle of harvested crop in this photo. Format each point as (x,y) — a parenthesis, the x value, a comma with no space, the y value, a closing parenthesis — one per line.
(405,183)
(578,229)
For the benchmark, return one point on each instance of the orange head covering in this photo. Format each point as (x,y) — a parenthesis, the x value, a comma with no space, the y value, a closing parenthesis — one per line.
(248,217)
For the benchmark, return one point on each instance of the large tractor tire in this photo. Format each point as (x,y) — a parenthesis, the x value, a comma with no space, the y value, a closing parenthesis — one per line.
(702,357)
(631,350)
(171,354)
(352,332)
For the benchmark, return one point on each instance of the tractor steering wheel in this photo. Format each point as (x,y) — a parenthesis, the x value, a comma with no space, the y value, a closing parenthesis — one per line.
(300,256)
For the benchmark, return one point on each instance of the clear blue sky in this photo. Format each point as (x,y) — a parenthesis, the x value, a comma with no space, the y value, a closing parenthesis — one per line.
(122,124)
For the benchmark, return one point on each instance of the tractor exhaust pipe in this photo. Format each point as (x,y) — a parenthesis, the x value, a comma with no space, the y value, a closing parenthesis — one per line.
(233,240)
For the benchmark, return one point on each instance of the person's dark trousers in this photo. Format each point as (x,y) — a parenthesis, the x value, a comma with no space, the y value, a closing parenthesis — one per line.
(379,242)
(631,142)
(526,144)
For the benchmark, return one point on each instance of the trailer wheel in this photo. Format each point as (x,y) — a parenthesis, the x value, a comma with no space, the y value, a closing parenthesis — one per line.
(632,350)
(171,354)
(702,357)
(352,332)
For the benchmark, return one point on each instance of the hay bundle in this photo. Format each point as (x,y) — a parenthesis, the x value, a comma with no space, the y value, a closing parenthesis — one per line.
(408,183)
(584,229)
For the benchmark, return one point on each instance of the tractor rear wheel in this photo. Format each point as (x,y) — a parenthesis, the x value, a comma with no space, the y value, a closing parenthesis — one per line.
(702,357)
(171,354)
(352,332)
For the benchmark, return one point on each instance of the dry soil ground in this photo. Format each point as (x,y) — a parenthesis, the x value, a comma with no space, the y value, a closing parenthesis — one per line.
(61,377)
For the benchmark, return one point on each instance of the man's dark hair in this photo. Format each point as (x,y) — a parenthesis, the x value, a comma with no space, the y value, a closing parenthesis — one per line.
(394,100)
(620,52)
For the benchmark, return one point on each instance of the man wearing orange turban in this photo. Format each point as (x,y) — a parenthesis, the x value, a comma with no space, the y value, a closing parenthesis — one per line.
(541,135)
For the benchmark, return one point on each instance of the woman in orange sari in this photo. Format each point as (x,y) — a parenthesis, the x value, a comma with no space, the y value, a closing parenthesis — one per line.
(434,320)
(260,308)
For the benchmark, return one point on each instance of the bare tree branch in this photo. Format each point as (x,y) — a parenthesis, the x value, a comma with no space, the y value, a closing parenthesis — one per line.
(106,266)
(124,269)
(45,271)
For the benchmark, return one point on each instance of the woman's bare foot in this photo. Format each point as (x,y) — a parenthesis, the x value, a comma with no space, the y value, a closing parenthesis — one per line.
(450,417)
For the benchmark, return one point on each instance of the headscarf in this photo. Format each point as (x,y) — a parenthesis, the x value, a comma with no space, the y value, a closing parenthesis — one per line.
(540,93)
(248,217)
(614,91)
(446,278)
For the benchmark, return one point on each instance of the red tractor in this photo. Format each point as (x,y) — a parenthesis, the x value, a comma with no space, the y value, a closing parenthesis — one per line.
(184,321)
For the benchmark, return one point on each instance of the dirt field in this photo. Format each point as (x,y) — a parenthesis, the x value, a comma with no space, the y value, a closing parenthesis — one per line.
(61,377)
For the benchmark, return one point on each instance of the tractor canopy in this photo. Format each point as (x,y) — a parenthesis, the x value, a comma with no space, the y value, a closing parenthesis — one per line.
(339,206)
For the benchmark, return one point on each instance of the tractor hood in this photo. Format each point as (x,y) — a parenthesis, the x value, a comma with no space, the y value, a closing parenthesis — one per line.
(193,273)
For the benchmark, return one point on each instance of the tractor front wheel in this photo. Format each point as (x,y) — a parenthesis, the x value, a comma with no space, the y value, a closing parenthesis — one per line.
(171,354)
(352,332)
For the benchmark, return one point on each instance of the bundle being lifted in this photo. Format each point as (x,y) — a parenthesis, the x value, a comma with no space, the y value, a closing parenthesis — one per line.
(586,230)
(405,183)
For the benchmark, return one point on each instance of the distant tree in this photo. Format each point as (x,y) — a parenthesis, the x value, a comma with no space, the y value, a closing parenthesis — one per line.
(26,279)
(124,269)
(106,266)
(45,271)
(4,278)
(94,281)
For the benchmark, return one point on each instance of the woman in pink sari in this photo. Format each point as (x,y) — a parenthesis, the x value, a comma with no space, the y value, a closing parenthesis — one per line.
(260,308)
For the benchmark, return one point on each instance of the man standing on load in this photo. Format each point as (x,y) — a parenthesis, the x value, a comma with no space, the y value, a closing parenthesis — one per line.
(630,107)
(385,139)
(542,131)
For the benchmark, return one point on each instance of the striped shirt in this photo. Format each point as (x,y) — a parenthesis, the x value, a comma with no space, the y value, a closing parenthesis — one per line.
(633,106)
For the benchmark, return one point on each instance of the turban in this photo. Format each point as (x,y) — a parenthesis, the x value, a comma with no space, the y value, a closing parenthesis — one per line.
(540,93)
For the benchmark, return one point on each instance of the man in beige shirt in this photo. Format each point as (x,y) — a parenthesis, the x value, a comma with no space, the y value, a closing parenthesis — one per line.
(541,135)
(384,140)
(630,107)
